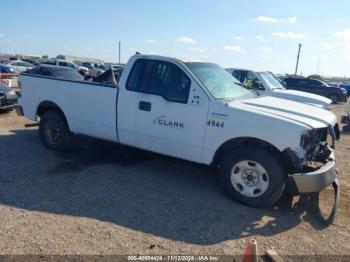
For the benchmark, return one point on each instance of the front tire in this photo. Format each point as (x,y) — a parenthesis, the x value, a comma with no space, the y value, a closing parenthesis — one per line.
(253,176)
(334,98)
(54,131)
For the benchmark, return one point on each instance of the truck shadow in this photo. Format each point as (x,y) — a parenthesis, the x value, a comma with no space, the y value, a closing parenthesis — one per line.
(142,191)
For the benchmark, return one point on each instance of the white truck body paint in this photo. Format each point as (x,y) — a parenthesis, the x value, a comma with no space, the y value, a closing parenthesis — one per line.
(113,114)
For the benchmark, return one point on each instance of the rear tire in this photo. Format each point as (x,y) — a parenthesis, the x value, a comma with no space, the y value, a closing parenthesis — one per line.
(253,176)
(54,131)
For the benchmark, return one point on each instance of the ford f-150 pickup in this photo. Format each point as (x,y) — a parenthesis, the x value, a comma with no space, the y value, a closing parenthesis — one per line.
(193,111)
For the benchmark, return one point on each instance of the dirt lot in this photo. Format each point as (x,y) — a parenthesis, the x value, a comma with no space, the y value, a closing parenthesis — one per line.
(90,201)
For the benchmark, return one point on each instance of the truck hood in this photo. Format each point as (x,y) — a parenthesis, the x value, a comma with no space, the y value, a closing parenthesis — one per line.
(308,115)
(303,97)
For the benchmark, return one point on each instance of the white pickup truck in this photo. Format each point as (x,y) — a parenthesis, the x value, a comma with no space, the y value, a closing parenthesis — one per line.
(193,111)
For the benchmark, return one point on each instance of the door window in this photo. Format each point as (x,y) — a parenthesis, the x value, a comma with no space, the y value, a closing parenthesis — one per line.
(136,81)
(169,81)
(302,83)
(62,64)
(159,78)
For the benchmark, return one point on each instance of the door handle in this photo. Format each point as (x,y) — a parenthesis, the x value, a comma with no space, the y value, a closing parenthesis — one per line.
(145,106)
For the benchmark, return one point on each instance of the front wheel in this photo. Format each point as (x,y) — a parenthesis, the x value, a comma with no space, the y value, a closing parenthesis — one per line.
(334,98)
(253,176)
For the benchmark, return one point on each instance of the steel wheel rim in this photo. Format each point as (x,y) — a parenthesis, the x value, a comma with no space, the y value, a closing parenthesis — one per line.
(52,132)
(249,178)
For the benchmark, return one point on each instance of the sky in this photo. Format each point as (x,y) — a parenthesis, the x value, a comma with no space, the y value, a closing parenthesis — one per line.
(259,35)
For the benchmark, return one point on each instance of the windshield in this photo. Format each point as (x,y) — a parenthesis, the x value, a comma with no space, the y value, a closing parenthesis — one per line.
(218,81)
(324,83)
(270,80)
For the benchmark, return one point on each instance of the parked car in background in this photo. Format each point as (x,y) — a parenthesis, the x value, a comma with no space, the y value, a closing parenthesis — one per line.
(63,63)
(118,70)
(31,61)
(14,58)
(266,84)
(6,69)
(316,86)
(8,97)
(346,86)
(19,66)
(59,72)
(94,69)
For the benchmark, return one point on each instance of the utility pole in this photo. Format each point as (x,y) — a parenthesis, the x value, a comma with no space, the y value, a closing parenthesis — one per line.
(119,50)
(318,65)
(296,68)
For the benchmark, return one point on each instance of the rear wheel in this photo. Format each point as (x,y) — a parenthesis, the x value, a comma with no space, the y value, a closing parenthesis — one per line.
(53,130)
(253,176)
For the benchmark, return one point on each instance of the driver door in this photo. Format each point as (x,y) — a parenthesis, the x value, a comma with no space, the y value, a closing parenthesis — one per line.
(171,112)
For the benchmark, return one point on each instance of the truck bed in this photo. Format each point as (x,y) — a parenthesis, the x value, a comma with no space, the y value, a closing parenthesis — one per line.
(89,107)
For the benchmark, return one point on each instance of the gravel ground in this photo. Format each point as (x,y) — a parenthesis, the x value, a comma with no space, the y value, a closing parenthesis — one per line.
(90,200)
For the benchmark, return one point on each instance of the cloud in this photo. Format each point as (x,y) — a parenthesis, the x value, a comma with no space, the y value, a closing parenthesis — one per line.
(269,19)
(316,57)
(233,48)
(264,56)
(1,35)
(186,40)
(199,50)
(150,41)
(89,48)
(265,49)
(291,35)
(260,38)
(237,38)
(345,34)
(328,46)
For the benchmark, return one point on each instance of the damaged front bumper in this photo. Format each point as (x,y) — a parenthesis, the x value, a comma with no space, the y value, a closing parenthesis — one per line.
(316,180)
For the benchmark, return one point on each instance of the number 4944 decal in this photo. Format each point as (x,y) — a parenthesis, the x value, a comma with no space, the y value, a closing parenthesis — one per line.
(214,123)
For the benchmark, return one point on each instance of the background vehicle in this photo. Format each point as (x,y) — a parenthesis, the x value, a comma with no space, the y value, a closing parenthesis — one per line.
(64,63)
(346,86)
(56,72)
(118,70)
(8,98)
(266,84)
(94,69)
(19,66)
(6,69)
(192,111)
(316,86)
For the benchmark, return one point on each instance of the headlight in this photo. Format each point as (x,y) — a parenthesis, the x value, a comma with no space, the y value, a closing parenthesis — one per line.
(12,93)
(306,139)
(311,138)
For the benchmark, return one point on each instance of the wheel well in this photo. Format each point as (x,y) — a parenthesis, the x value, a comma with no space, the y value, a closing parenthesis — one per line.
(242,141)
(333,94)
(46,106)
